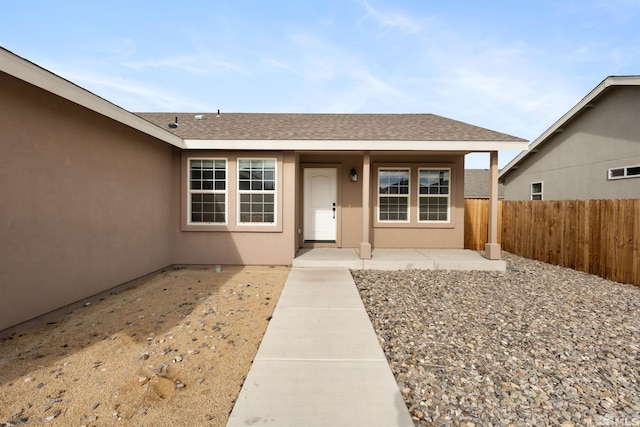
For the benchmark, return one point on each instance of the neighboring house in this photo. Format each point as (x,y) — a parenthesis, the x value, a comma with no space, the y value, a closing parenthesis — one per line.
(592,152)
(477,184)
(94,196)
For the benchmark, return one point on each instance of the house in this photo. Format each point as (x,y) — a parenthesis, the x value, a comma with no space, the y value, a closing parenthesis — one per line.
(477,184)
(94,196)
(591,152)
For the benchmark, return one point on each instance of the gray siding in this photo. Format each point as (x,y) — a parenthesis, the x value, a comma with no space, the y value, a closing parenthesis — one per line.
(573,164)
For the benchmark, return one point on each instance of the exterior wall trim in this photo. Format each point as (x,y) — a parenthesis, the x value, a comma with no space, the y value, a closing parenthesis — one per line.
(353,145)
(33,74)
(586,102)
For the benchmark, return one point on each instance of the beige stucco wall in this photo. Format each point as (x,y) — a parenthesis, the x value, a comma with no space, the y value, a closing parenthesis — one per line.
(419,235)
(233,243)
(412,235)
(86,203)
(573,164)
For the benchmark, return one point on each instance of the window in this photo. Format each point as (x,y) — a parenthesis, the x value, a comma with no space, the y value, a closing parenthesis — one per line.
(624,172)
(208,191)
(393,195)
(256,191)
(433,195)
(536,190)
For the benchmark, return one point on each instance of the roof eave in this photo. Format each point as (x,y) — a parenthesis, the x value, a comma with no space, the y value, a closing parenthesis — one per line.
(573,112)
(31,73)
(353,145)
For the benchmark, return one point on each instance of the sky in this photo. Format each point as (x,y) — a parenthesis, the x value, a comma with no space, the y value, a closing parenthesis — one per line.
(514,66)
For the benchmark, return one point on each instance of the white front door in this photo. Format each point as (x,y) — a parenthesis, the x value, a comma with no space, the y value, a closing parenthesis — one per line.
(320,204)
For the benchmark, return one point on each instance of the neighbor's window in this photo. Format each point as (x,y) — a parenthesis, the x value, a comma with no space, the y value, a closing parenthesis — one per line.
(433,195)
(624,172)
(393,195)
(208,191)
(536,190)
(256,191)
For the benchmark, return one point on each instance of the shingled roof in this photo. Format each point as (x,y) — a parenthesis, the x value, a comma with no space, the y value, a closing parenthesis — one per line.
(477,184)
(328,127)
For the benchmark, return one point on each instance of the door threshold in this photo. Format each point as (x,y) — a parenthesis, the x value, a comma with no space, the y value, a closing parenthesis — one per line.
(310,244)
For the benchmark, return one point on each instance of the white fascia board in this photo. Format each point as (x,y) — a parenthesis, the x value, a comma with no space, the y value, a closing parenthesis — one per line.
(560,123)
(33,74)
(332,145)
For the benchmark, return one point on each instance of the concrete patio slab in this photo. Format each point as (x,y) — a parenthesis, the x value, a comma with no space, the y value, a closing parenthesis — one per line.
(456,259)
(398,259)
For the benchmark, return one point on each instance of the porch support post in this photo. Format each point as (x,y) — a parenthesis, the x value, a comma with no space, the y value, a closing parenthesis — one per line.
(365,244)
(492,248)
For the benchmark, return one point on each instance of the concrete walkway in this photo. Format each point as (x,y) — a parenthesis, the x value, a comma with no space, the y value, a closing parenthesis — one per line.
(320,363)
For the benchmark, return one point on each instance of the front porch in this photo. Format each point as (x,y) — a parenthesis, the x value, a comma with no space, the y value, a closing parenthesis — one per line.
(397,259)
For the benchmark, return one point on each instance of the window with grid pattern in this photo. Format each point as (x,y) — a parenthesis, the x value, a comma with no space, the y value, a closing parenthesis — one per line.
(393,195)
(433,195)
(256,191)
(208,191)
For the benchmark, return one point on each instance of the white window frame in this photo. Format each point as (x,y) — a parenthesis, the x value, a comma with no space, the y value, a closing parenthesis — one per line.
(448,196)
(625,172)
(241,192)
(532,193)
(407,196)
(191,191)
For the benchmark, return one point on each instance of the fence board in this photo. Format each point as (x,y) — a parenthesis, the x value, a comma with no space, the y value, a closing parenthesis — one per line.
(601,237)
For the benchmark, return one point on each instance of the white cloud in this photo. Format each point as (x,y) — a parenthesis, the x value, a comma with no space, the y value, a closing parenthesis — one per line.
(131,95)
(340,80)
(190,63)
(390,20)
(184,63)
(280,65)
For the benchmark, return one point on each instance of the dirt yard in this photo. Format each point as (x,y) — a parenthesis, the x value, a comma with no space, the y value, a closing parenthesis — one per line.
(173,350)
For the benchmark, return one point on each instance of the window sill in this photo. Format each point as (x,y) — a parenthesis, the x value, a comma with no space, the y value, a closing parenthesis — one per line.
(226,228)
(433,225)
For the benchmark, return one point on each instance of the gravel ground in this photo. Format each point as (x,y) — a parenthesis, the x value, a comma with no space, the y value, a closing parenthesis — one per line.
(537,345)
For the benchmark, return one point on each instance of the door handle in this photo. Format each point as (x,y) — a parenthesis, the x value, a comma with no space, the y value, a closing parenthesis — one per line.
(334,210)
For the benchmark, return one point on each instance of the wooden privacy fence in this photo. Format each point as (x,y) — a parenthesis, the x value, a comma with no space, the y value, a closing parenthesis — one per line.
(476,223)
(601,237)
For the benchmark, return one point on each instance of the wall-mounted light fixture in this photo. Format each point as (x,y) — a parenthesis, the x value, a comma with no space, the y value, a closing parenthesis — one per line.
(354,175)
